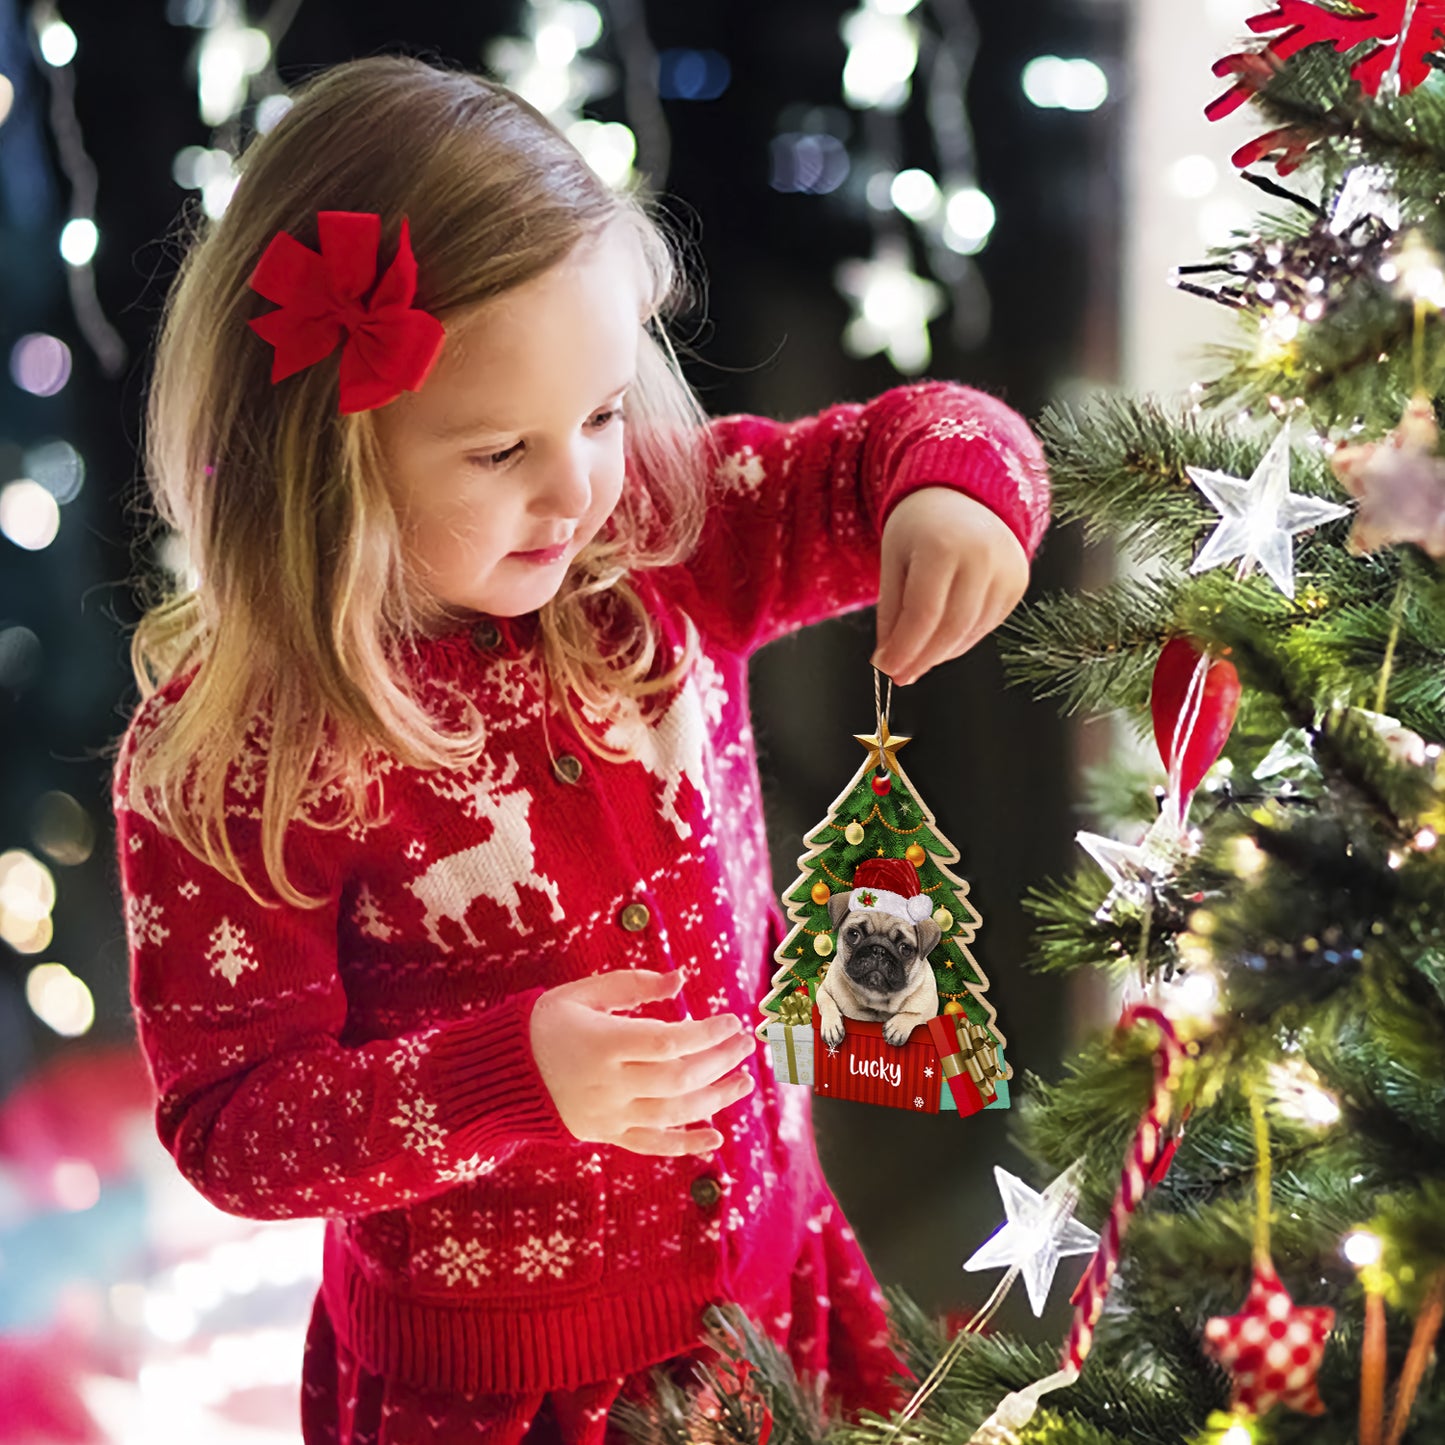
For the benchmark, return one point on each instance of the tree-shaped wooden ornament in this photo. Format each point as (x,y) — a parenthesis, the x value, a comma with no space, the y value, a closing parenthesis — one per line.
(868,929)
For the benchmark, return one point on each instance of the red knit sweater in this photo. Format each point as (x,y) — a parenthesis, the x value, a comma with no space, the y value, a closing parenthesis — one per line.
(369,1061)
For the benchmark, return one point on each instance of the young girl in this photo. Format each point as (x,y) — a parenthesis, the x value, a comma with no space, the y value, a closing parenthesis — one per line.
(439,830)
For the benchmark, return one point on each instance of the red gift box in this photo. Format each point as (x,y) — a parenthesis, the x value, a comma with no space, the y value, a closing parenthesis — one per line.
(966,1094)
(865,1067)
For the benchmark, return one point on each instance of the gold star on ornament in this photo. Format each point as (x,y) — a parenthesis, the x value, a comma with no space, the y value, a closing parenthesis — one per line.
(882,744)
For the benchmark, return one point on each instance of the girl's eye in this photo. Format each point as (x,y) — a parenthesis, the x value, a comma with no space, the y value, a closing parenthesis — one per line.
(600,422)
(497,458)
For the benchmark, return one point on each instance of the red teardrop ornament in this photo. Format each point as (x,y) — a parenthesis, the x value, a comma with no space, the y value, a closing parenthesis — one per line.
(1217,707)
(883,785)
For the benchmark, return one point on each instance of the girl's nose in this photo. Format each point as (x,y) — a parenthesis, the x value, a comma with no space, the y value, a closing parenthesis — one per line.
(566,488)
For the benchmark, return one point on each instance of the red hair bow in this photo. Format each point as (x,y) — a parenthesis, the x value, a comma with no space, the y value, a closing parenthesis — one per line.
(390,346)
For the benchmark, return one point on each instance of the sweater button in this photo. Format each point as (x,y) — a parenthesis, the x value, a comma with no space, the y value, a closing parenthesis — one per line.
(567,768)
(486,635)
(634,917)
(706,1191)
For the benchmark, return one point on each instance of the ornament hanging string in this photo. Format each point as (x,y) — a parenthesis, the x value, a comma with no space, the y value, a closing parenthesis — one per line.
(881,708)
(1017,1409)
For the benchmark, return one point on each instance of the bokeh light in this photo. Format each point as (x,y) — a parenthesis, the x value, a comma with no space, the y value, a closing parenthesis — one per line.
(78,241)
(882,55)
(75,1184)
(40,364)
(269,110)
(29,515)
(7,97)
(916,194)
(1363,1248)
(807,162)
(969,218)
(58,467)
(609,147)
(21,657)
(692,74)
(1052,83)
(59,999)
(27,896)
(58,43)
(62,829)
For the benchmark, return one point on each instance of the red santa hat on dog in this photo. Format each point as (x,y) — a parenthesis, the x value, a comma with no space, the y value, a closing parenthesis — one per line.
(889,885)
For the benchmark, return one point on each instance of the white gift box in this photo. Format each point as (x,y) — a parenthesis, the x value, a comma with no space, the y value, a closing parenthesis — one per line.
(792,1046)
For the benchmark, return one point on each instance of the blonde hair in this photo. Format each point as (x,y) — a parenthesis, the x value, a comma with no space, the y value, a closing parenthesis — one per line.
(302,595)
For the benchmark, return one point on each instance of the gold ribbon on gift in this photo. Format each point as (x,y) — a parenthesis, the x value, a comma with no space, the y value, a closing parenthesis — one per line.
(796,1008)
(981,1054)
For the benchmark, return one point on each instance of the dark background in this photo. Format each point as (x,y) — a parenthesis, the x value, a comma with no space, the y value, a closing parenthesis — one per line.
(996,768)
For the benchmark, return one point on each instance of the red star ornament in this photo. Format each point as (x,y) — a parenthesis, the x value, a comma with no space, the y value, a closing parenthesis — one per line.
(1272,1348)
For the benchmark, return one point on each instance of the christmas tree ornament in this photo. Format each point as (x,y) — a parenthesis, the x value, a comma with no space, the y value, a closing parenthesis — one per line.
(1395,38)
(1272,1348)
(1367,196)
(1193,701)
(899,1011)
(1039,1230)
(1260,517)
(1400,484)
(1291,754)
(1135,870)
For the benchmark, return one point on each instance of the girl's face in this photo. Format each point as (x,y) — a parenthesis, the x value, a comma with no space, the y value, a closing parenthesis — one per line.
(514,442)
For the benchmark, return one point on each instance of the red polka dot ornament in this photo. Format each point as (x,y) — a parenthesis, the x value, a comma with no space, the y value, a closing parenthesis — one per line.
(1272,1348)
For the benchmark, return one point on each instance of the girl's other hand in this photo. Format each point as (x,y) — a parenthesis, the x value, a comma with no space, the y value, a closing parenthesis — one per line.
(637,1083)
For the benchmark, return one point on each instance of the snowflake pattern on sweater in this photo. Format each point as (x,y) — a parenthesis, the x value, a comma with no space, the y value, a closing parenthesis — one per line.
(369,1061)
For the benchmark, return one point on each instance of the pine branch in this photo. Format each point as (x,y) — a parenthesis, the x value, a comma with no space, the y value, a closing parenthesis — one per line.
(1094,651)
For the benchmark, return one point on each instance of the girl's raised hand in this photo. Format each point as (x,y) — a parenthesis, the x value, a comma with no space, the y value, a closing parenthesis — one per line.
(637,1083)
(950,571)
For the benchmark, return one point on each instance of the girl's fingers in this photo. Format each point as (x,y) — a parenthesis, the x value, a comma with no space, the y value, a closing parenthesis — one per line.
(925,597)
(647,1078)
(673,1142)
(890,592)
(659,1041)
(670,1110)
(624,988)
(956,619)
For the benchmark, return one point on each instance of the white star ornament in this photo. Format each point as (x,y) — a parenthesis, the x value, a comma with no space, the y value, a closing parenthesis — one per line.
(1040,1230)
(1260,517)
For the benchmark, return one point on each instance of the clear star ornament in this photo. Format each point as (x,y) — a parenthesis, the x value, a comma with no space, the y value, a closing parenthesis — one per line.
(1260,517)
(1039,1231)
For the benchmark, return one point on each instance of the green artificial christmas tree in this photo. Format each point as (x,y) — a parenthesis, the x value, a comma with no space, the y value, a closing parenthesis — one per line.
(1268,1123)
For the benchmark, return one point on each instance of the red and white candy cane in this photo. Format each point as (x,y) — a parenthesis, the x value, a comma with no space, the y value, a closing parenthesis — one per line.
(1138,1174)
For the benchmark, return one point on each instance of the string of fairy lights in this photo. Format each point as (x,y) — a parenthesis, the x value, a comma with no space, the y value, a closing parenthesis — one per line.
(947,216)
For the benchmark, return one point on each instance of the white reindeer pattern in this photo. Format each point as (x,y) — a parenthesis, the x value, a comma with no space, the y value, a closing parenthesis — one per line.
(494,869)
(671,749)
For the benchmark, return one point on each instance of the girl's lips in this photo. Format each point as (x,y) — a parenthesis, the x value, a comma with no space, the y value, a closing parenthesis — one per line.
(547,554)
